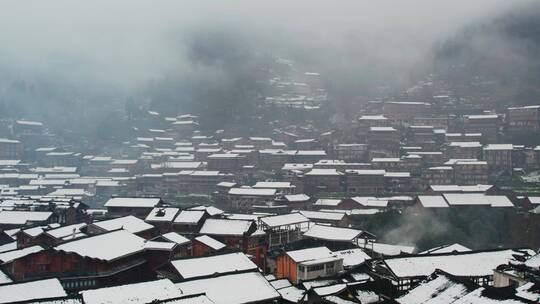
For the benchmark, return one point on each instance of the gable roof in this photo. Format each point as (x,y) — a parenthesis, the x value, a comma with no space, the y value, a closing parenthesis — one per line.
(447,249)
(145,292)
(218,264)
(309,254)
(133,202)
(187,217)
(67,232)
(432,201)
(210,242)
(9,256)
(175,238)
(329,233)
(129,223)
(318,215)
(106,246)
(284,219)
(34,290)
(250,287)
(474,264)
(162,214)
(226,227)
(22,217)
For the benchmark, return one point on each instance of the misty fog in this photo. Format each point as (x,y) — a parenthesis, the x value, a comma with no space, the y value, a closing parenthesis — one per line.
(102,52)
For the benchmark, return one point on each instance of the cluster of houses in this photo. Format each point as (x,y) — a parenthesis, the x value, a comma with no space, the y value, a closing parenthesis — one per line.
(143,250)
(177,215)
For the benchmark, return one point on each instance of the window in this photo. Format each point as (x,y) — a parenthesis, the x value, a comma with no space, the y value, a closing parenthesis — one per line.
(329,267)
(315,268)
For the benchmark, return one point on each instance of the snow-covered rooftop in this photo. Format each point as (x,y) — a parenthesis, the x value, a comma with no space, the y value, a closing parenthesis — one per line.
(252,192)
(138,293)
(218,264)
(463,264)
(9,256)
(210,242)
(162,215)
(241,288)
(22,217)
(107,246)
(447,249)
(432,201)
(129,223)
(225,227)
(310,254)
(18,292)
(284,220)
(140,202)
(175,238)
(189,217)
(352,257)
(330,233)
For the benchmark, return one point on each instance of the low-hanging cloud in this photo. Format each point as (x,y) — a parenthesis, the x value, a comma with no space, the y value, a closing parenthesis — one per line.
(122,45)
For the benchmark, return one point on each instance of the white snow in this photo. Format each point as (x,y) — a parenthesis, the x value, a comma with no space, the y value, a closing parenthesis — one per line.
(332,233)
(323,172)
(284,220)
(464,264)
(107,246)
(9,256)
(66,231)
(218,264)
(317,215)
(272,185)
(8,247)
(329,290)
(352,257)
(236,288)
(327,202)
(533,262)
(153,245)
(439,290)
(371,202)
(367,297)
(432,201)
(197,299)
(292,294)
(281,283)
(4,278)
(34,290)
(162,214)
(211,210)
(447,249)
(297,198)
(310,254)
(338,300)
(387,249)
(140,202)
(210,242)
(129,223)
(252,192)
(189,217)
(525,292)
(461,199)
(225,227)
(139,293)
(176,238)
(22,217)
(499,201)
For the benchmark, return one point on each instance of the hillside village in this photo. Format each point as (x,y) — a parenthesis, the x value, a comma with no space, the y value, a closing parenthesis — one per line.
(364,212)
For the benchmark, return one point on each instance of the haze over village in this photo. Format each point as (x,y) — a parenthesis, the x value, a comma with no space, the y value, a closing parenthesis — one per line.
(270,152)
